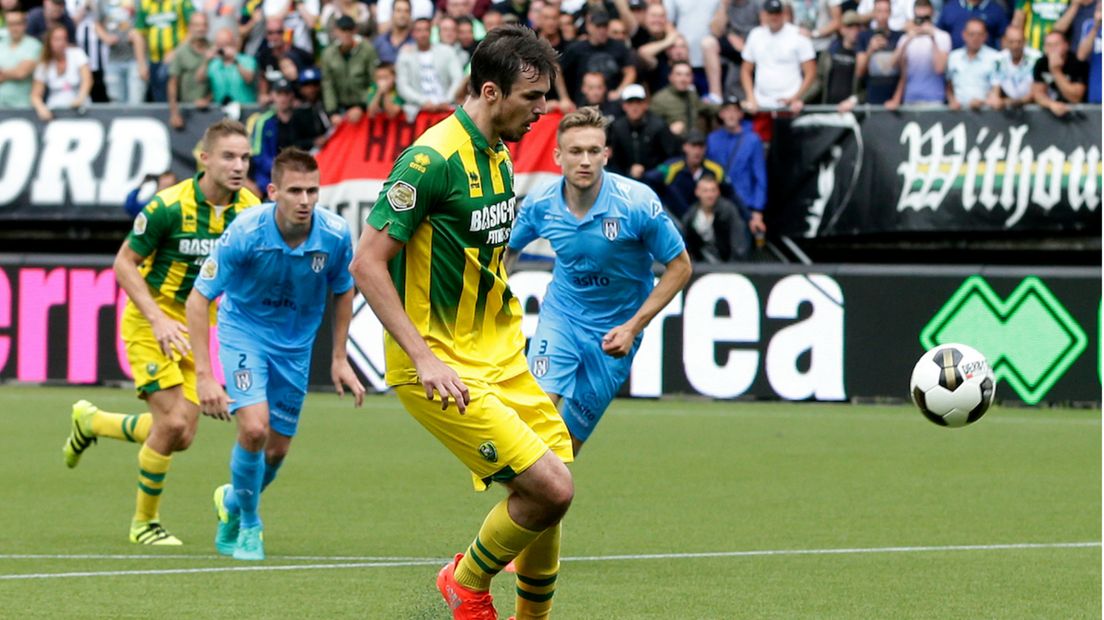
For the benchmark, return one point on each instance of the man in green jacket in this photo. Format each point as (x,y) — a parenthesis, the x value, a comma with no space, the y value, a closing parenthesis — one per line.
(678,104)
(347,68)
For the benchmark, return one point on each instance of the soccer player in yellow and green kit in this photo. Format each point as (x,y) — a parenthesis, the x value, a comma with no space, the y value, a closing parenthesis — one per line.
(156,266)
(430,263)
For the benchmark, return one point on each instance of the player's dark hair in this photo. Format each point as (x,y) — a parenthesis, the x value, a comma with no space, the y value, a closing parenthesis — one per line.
(585,117)
(292,159)
(221,129)
(507,51)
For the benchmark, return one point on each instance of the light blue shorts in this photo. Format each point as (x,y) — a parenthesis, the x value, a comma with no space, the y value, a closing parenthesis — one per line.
(567,360)
(257,376)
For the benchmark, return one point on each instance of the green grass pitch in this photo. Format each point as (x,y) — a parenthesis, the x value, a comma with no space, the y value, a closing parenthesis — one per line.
(683,509)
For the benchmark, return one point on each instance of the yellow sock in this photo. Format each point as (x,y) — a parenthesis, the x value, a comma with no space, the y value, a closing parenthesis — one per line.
(537,567)
(134,427)
(499,541)
(152,468)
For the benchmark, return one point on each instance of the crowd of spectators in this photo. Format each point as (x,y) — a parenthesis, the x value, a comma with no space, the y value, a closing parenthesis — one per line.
(679,80)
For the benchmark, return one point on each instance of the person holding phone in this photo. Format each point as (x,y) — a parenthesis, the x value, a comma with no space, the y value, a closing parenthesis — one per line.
(921,56)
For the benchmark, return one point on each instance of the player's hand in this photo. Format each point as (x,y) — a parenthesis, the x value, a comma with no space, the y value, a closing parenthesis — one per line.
(342,374)
(171,335)
(618,342)
(213,400)
(438,378)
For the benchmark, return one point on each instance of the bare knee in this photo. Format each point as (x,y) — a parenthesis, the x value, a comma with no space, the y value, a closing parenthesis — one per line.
(557,493)
(252,434)
(176,431)
(710,44)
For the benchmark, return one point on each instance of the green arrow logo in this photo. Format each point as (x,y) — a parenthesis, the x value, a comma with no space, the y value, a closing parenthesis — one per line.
(1029,339)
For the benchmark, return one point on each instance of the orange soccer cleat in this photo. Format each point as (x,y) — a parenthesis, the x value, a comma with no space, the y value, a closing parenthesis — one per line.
(464,603)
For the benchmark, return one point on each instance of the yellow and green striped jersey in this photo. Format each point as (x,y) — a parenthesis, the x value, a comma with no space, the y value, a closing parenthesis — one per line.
(164,24)
(175,232)
(1039,19)
(450,199)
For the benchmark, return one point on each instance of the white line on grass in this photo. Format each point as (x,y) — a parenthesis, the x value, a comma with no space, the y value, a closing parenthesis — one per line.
(382,563)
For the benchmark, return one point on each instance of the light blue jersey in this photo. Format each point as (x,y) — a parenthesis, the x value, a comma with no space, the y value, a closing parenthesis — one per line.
(602,276)
(273,299)
(604,261)
(273,294)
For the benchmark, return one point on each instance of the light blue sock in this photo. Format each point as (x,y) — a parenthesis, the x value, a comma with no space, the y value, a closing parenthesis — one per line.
(231,499)
(270,473)
(246,473)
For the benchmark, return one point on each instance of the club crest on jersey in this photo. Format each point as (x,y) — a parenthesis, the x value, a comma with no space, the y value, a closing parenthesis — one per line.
(488,451)
(243,379)
(540,366)
(209,269)
(611,227)
(140,224)
(318,262)
(402,196)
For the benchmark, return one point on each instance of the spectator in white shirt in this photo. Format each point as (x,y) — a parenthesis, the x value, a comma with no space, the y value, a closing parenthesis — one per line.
(428,75)
(779,63)
(1016,70)
(972,70)
(63,78)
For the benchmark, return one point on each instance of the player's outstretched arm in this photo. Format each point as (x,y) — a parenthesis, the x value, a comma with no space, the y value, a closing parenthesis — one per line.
(369,269)
(618,341)
(170,334)
(341,373)
(213,400)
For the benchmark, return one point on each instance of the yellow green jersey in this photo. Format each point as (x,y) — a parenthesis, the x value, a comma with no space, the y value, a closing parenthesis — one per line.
(450,200)
(1039,19)
(175,232)
(164,24)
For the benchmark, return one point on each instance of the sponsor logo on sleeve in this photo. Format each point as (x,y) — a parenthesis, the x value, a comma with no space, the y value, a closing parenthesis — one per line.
(140,224)
(209,269)
(402,196)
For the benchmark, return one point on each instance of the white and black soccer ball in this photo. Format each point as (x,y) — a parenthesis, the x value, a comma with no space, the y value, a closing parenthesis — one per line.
(952,385)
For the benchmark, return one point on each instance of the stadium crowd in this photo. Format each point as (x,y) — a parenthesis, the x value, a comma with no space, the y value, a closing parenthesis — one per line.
(681,81)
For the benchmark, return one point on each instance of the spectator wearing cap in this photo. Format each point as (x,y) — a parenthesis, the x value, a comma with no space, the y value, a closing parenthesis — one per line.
(922,56)
(383,97)
(389,43)
(1016,69)
(875,63)
(278,59)
(838,66)
(715,228)
(19,55)
(973,71)
(347,68)
(676,179)
(50,13)
(639,140)
(309,106)
(354,9)
(163,26)
(230,73)
(779,64)
(428,75)
(739,150)
(598,53)
(678,103)
(1088,51)
(1060,78)
(275,129)
(956,13)
(188,70)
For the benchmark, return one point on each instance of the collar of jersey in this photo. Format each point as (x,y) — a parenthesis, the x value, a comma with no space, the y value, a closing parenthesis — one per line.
(273,240)
(600,206)
(478,139)
(200,198)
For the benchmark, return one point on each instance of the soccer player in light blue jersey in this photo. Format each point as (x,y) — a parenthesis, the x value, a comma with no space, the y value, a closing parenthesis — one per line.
(275,270)
(606,230)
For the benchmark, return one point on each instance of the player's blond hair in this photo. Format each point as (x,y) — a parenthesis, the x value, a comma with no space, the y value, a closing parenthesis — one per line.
(221,129)
(585,117)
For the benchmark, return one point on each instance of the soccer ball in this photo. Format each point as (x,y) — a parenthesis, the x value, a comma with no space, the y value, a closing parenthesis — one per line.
(952,385)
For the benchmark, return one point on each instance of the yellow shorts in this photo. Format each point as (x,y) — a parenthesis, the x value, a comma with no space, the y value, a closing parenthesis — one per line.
(153,371)
(506,428)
